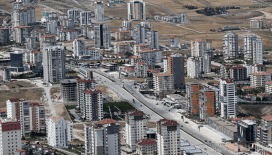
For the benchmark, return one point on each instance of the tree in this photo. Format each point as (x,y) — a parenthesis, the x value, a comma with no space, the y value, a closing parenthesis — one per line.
(23,138)
(258,99)
(264,99)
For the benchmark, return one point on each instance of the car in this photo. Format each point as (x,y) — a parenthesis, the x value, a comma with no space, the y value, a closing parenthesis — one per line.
(157,104)
(186,122)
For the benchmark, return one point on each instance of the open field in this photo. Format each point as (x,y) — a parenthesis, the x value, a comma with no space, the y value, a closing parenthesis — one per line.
(231,2)
(19,84)
(123,106)
(255,110)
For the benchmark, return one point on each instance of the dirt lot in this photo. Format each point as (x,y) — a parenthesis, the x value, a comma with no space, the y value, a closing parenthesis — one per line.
(255,110)
(230,2)
(62,112)
(19,84)
(137,79)
(106,91)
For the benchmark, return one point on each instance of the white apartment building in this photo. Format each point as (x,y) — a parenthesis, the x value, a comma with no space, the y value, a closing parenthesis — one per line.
(59,132)
(30,115)
(5,72)
(10,136)
(140,47)
(168,137)
(153,39)
(258,51)
(268,88)
(126,25)
(256,24)
(134,128)
(102,36)
(136,10)
(183,18)
(83,84)
(163,84)
(36,57)
(31,43)
(53,63)
(146,146)
(248,46)
(102,138)
(141,69)
(25,16)
(73,14)
(68,35)
(150,57)
(259,79)
(78,47)
(21,33)
(85,18)
(228,98)
(116,1)
(92,110)
(193,68)
(173,41)
(93,54)
(99,11)
(230,45)
(198,48)
(121,48)
(51,27)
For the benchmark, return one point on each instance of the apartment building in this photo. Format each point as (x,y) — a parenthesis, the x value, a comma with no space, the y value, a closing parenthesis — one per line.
(21,33)
(68,35)
(85,18)
(258,51)
(31,43)
(23,16)
(153,39)
(175,66)
(30,115)
(193,67)
(73,14)
(209,102)
(93,54)
(198,47)
(102,36)
(59,132)
(53,63)
(168,137)
(16,62)
(68,89)
(121,48)
(139,34)
(79,47)
(256,24)
(246,130)
(238,73)
(150,57)
(5,72)
(83,84)
(92,110)
(173,41)
(134,59)
(146,146)
(140,47)
(264,131)
(4,35)
(248,46)
(259,79)
(228,98)
(99,11)
(10,136)
(123,35)
(126,25)
(230,45)
(102,137)
(225,71)
(141,69)
(134,128)
(163,84)
(136,10)
(193,98)
(268,88)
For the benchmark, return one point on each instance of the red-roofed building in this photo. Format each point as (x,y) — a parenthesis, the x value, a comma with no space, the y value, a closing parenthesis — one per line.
(9,130)
(134,128)
(259,79)
(94,140)
(22,32)
(123,35)
(173,41)
(150,57)
(146,146)
(172,135)
(3,113)
(238,72)
(20,152)
(247,89)
(140,47)
(92,100)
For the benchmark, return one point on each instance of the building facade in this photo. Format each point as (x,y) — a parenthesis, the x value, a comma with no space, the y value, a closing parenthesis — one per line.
(230,45)
(209,102)
(259,79)
(93,105)
(79,47)
(256,24)
(73,14)
(153,39)
(146,146)
(83,84)
(136,10)
(102,36)
(99,11)
(68,89)
(175,66)
(258,51)
(53,63)
(193,98)
(248,46)
(102,138)
(85,18)
(163,84)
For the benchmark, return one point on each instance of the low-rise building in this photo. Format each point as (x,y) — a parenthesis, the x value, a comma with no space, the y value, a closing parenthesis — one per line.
(140,47)
(123,35)
(259,79)
(121,48)
(246,130)
(256,24)
(264,131)
(163,84)
(59,132)
(68,89)
(150,57)
(173,41)
(146,146)
(223,126)
(102,138)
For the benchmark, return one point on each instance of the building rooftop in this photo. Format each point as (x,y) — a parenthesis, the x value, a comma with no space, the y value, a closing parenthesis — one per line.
(147,141)
(267,118)
(147,50)
(85,80)
(136,113)
(170,123)
(95,91)
(107,121)
(163,74)
(260,73)
(68,81)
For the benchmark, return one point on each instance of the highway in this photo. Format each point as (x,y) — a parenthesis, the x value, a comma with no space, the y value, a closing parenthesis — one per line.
(201,142)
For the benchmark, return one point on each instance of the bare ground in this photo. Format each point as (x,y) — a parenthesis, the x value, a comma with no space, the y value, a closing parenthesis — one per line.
(106,91)
(61,111)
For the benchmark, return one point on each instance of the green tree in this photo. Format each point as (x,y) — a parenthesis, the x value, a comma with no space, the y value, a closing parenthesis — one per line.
(258,99)
(23,138)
